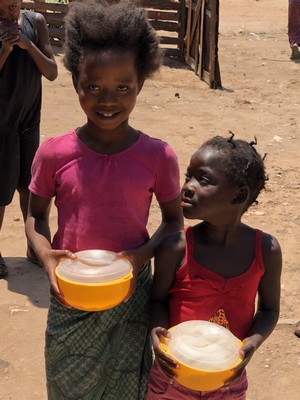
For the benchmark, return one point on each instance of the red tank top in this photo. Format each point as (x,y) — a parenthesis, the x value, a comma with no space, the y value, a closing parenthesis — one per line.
(201,294)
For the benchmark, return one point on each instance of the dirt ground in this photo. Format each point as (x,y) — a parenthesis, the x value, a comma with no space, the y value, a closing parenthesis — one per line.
(260,97)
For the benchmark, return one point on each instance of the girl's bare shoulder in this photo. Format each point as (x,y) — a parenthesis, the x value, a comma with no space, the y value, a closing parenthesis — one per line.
(271,252)
(269,243)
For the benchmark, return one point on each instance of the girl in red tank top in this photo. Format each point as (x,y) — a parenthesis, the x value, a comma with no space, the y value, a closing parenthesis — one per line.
(215,269)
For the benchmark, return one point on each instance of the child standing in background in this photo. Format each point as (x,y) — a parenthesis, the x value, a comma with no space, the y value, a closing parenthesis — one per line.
(25,55)
(214,270)
(103,176)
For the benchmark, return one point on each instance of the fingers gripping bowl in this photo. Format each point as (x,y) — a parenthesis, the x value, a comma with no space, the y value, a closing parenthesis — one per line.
(206,353)
(95,281)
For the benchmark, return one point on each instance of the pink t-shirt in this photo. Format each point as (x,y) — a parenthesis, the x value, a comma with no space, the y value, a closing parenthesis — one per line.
(103,200)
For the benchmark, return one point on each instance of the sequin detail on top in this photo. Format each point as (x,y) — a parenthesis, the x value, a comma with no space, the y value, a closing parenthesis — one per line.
(219,318)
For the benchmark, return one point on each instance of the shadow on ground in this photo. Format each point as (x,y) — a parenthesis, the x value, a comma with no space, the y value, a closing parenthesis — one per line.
(29,280)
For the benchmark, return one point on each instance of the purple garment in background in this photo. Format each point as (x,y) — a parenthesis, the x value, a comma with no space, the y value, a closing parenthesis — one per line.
(294,22)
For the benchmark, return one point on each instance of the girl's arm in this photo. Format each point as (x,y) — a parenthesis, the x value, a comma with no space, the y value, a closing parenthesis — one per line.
(171,221)
(38,234)
(42,54)
(168,258)
(268,307)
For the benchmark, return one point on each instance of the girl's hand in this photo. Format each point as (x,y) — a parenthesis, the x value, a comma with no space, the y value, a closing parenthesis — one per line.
(50,260)
(136,260)
(246,351)
(166,362)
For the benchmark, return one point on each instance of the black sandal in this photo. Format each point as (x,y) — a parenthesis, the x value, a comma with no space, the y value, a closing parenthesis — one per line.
(3,269)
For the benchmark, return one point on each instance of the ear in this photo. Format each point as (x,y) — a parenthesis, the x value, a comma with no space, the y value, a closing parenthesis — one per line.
(140,85)
(75,82)
(242,195)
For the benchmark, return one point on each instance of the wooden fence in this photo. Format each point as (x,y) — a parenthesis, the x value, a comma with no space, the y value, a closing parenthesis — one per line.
(188,30)
(201,27)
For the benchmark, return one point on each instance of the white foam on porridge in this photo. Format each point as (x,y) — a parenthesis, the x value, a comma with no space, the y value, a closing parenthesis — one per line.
(203,345)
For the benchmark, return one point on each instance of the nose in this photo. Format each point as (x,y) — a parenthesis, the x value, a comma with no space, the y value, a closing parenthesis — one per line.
(188,190)
(106,97)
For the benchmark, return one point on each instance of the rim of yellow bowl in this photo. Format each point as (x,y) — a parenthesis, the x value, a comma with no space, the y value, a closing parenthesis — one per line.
(108,283)
(164,348)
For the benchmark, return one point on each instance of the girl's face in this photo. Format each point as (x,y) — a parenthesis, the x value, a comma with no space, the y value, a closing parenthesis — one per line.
(10,10)
(207,193)
(107,87)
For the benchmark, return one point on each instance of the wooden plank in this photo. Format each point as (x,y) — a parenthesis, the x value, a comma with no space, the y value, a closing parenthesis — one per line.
(182,27)
(188,32)
(29,5)
(200,67)
(165,26)
(171,52)
(212,44)
(205,77)
(196,19)
(163,15)
(54,19)
(192,62)
(197,46)
(168,40)
(160,4)
(215,79)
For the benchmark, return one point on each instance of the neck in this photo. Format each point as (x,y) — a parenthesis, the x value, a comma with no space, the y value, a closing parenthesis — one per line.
(107,141)
(223,235)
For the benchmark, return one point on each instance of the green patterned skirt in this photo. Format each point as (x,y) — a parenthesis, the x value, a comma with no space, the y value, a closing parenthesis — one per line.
(100,355)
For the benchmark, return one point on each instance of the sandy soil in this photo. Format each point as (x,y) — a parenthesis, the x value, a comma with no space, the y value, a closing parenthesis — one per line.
(259,98)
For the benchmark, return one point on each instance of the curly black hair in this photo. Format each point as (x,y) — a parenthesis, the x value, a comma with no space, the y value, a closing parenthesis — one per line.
(242,163)
(96,25)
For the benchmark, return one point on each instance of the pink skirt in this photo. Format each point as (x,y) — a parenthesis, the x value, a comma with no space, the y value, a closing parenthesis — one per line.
(160,387)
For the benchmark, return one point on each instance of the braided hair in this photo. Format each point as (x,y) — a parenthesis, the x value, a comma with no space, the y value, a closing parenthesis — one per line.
(242,163)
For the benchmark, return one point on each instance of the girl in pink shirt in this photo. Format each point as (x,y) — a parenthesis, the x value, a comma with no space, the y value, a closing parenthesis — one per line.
(214,270)
(102,177)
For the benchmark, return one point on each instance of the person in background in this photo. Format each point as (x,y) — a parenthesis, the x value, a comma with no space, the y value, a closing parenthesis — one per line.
(103,176)
(214,270)
(25,55)
(294,28)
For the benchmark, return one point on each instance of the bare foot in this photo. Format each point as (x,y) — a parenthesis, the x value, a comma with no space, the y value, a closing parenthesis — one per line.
(295,52)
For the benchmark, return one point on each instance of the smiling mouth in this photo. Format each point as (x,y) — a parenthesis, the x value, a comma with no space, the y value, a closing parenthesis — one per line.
(107,114)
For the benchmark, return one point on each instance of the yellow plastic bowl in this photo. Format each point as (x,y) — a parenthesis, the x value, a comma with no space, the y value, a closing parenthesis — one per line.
(197,379)
(94,296)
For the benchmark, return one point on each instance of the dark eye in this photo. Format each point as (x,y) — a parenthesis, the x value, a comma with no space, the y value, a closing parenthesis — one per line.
(93,88)
(122,88)
(204,180)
